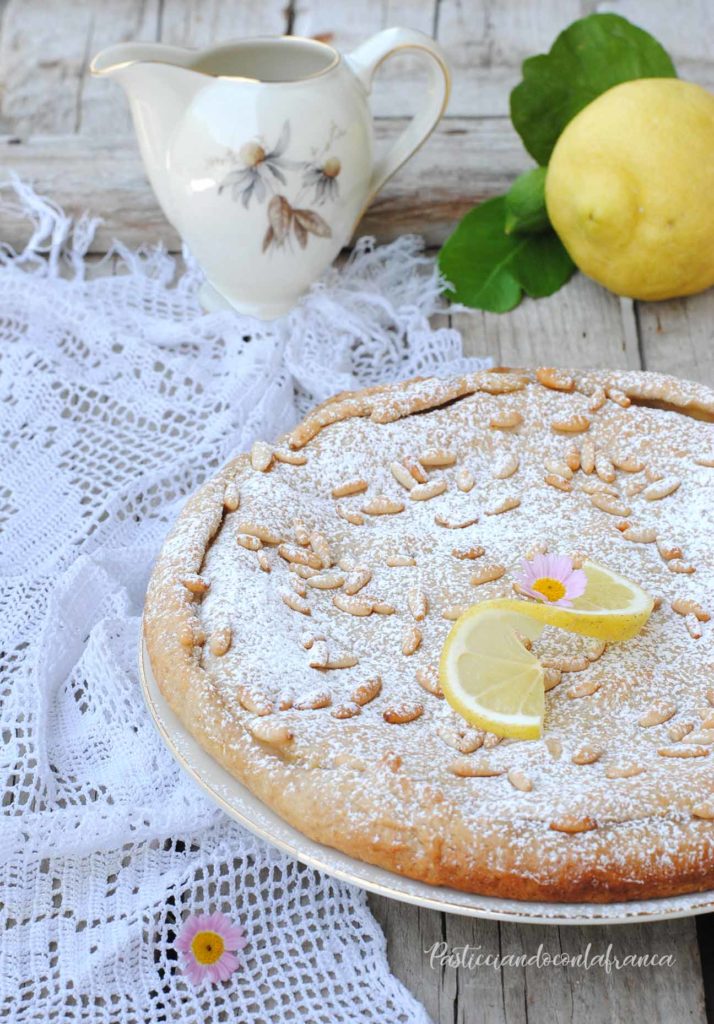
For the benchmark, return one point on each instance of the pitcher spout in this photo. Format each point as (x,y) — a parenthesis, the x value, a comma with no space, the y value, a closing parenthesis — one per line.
(160,84)
(115,59)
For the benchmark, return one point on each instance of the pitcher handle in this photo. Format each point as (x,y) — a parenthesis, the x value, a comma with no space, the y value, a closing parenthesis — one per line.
(365,61)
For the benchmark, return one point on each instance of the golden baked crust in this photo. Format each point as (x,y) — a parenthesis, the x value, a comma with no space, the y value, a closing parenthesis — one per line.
(619,808)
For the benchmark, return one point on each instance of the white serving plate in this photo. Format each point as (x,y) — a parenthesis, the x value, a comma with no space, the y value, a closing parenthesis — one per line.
(237,801)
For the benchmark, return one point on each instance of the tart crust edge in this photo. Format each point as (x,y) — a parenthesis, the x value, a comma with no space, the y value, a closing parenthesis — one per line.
(599,866)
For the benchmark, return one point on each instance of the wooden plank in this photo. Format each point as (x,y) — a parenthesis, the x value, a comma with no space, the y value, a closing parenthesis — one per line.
(397,86)
(534,992)
(581,325)
(487,42)
(44,51)
(654,994)
(202,23)
(463,163)
(410,931)
(686,35)
(678,336)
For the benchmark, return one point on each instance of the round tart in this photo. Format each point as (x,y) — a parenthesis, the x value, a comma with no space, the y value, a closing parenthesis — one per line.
(297,612)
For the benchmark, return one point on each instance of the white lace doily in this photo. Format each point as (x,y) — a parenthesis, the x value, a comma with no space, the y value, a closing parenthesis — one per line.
(119,396)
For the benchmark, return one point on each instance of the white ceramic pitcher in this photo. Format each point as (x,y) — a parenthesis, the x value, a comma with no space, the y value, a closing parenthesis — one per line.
(260,152)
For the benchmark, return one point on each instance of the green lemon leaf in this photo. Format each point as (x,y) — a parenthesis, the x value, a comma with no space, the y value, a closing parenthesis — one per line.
(488,269)
(525,204)
(588,58)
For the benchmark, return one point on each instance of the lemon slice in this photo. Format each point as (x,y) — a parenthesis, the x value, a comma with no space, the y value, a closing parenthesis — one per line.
(488,676)
(612,608)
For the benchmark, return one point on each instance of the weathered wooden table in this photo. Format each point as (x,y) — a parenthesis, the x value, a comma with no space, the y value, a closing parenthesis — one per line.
(71,136)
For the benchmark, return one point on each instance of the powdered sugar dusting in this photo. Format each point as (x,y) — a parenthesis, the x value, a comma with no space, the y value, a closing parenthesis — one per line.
(664,661)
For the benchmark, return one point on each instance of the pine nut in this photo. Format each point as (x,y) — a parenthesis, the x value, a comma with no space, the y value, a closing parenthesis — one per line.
(291,458)
(505,505)
(263,533)
(505,420)
(411,641)
(506,467)
(466,768)
(272,733)
(314,701)
(586,755)
(685,606)
(352,605)
(623,771)
(261,456)
(350,517)
(558,482)
(402,475)
(220,641)
(434,457)
(318,543)
(231,496)
(587,456)
(643,535)
(659,713)
(572,425)
(424,492)
(383,506)
(452,524)
(465,480)
(661,488)
(628,463)
(194,583)
(619,397)
(678,566)
(400,714)
(519,780)
(468,553)
(367,691)
(417,604)
(326,581)
(488,574)
(254,701)
(349,487)
(428,679)
(356,580)
(606,503)
(395,561)
(557,380)
(558,468)
(300,556)
(604,468)
(571,824)
(248,541)
(346,710)
(597,400)
(297,603)
(454,611)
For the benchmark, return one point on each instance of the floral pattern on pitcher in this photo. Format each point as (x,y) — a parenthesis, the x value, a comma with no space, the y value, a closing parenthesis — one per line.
(263,169)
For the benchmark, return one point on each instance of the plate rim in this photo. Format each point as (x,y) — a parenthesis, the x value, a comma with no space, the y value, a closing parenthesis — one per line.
(434,897)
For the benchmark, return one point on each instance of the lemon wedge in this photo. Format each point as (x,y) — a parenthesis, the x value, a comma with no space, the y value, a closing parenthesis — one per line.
(488,676)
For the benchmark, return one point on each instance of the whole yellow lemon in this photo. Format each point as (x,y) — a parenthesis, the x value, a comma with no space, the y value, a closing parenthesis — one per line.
(630,188)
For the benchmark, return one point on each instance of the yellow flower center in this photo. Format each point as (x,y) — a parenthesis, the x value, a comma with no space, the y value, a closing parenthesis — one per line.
(207,947)
(552,590)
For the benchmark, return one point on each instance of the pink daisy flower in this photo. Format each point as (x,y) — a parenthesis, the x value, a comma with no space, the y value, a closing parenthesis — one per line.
(208,944)
(552,579)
